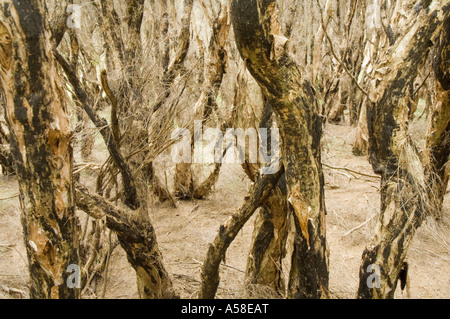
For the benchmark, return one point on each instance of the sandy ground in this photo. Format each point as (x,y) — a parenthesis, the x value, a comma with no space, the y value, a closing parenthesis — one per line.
(183,234)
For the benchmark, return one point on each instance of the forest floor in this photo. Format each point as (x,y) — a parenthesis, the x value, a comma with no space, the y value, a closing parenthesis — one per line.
(352,202)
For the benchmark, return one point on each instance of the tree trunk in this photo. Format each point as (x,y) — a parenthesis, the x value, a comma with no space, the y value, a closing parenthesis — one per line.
(438,137)
(404,199)
(268,248)
(41,145)
(337,109)
(214,71)
(361,143)
(259,193)
(264,264)
(262,46)
(184,187)
(177,61)
(137,236)
(129,185)
(135,232)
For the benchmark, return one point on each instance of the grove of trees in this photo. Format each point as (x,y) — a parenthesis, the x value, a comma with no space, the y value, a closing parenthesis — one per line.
(128,74)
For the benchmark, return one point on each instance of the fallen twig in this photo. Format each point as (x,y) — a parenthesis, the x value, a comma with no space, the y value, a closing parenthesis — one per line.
(350,170)
(358,227)
(11,291)
(9,197)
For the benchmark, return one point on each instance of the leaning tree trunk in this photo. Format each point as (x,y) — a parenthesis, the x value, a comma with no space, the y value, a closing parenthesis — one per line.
(260,191)
(438,137)
(134,230)
(404,199)
(137,237)
(268,248)
(262,45)
(40,137)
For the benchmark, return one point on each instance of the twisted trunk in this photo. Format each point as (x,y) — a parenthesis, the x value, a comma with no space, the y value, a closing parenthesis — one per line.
(262,45)
(137,236)
(268,247)
(404,199)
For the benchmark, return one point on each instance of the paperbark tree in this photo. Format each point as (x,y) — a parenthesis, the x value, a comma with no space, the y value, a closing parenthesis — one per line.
(438,137)
(404,197)
(262,46)
(214,72)
(40,137)
(134,229)
(259,193)
(264,263)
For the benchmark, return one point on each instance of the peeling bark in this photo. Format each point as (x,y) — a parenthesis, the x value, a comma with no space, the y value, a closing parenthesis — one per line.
(130,191)
(268,247)
(257,29)
(177,61)
(40,137)
(404,198)
(6,158)
(214,71)
(58,19)
(137,236)
(259,193)
(361,143)
(438,137)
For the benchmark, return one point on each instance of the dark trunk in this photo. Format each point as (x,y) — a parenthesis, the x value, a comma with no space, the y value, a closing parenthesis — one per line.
(404,198)
(259,193)
(262,45)
(40,139)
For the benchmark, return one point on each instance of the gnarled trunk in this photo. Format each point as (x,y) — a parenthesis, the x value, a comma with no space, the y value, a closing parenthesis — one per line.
(137,236)
(262,45)
(404,198)
(41,139)
(438,137)
(268,248)
(264,264)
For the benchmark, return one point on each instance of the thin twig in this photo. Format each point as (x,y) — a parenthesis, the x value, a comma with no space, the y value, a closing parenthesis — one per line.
(222,264)
(422,84)
(231,267)
(7,245)
(11,291)
(359,227)
(350,170)
(10,197)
